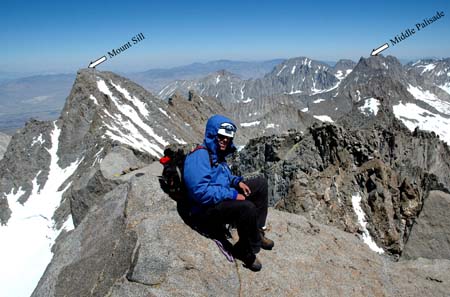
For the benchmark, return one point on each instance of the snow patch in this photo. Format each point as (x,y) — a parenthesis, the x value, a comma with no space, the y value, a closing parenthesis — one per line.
(430,99)
(428,67)
(180,141)
(25,249)
(305,109)
(282,68)
(359,95)
(94,99)
(136,121)
(97,157)
(132,137)
(270,126)
(415,63)
(38,139)
(318,100)
(324,118)
(142,107)
(293,69)
(251,124)
(247,100)
(315,91)
(370,106)
(341,75)
(412,116)
(356,202)
(164,112)
(446,86)
(162,91)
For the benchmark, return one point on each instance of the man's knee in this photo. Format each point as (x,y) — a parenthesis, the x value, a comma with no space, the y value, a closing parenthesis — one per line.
(248,209)
(262,180)
(258,184)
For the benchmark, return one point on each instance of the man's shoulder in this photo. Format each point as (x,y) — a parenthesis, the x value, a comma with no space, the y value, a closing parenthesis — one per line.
(198,153)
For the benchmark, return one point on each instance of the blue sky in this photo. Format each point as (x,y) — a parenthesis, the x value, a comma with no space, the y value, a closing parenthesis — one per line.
(63,36)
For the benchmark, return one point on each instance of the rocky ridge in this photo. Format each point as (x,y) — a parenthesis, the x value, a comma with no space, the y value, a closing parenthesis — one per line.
(133,243)
(4,141)
(321,173)
(102,111)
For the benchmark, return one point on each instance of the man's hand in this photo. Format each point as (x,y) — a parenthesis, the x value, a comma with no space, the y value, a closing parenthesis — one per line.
(240,197)
(245,189)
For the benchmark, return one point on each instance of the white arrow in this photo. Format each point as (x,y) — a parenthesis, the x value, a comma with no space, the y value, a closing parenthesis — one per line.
(379,50)
(96,62)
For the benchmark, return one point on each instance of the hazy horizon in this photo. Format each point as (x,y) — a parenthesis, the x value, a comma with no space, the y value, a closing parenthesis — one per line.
(17,75)
(62,37)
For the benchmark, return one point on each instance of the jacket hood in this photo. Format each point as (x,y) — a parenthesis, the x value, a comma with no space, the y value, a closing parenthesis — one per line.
(210,141)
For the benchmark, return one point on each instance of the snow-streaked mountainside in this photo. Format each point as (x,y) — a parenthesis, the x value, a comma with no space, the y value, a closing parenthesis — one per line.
(102,111)
(155,79)
(293,76)
(435,71)
(416,94)
(31,231)
(38,194)
(415,100)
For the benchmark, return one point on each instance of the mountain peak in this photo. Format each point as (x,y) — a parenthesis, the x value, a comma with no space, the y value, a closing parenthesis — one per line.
(379,63)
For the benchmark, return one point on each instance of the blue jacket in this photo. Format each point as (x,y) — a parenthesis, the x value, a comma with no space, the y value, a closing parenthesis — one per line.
(206,184)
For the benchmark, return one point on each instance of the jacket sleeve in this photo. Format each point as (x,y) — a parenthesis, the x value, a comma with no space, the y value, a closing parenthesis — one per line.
(197,177)
(235,180)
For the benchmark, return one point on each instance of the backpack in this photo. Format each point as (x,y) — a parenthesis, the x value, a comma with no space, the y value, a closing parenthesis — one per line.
(171,180)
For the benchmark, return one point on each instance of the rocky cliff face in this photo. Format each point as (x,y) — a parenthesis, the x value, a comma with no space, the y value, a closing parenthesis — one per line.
(430,236)
(4,141)
(327,172)
(133,243)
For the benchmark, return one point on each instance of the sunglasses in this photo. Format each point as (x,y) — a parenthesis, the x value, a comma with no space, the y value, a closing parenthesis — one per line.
(222,137)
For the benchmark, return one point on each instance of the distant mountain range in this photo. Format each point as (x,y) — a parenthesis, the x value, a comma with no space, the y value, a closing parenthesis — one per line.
(154,79)
(43,96)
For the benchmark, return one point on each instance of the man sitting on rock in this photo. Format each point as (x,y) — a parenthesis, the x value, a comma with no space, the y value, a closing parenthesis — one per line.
(220,198)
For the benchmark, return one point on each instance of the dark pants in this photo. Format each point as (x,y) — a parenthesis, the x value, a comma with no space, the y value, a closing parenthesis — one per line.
(248,216)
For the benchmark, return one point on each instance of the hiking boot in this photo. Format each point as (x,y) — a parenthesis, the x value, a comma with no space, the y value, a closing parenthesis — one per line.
(266,243)
(254,266)
(249,259)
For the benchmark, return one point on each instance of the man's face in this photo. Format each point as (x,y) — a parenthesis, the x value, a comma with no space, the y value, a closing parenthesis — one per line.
(223,141)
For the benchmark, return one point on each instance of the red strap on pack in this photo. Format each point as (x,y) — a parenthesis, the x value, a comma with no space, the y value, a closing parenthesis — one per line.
(164,160)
